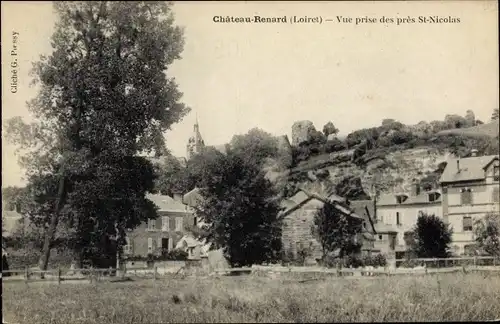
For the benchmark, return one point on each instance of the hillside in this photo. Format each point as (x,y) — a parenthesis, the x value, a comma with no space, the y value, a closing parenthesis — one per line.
(389,167)
(487,130)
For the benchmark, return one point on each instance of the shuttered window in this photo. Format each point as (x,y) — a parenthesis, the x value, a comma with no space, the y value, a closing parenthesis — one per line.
(467,223)
(150,245)
(165,223)
(466,196)
(151,224)
(496,194)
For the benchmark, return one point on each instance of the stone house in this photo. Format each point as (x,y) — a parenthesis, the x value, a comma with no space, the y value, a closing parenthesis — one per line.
(470,189)
(162,233)
(297,218)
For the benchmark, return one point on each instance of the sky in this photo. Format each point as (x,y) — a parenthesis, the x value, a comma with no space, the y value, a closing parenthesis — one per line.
(239,76)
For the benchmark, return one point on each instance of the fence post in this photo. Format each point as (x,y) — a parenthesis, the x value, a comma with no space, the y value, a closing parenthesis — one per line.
(26,275)
(154,273)
(475,261)
(58,275)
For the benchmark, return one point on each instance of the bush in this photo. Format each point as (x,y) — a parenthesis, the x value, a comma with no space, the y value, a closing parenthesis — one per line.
(401,137)
(334,145)
(378,260)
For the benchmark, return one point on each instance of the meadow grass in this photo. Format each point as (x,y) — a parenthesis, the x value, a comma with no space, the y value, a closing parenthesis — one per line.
(446,297)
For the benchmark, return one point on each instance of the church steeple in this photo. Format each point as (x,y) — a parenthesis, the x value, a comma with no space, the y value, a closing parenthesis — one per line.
(195,143)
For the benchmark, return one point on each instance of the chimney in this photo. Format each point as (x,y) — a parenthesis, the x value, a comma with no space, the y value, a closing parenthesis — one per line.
(458,166)
(177,196)
(473,152)
(415,188)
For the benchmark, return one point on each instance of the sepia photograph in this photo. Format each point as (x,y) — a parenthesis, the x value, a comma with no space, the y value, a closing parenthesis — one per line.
(250,161)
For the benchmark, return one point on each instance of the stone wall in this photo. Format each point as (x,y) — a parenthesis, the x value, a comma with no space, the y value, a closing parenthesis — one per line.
(296,230)
(301,131)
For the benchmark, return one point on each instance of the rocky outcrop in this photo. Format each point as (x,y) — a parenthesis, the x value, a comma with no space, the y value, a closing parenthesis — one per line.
(285,154)
(389,172)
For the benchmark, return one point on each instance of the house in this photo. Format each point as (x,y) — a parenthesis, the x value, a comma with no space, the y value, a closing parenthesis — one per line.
(470,189)
(400,211)
(12,222)
(162,233)
(297,218)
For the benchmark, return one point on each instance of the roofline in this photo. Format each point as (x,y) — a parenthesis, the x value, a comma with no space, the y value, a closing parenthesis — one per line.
(460,181)
(310,196)
(370,219)
(420,203)
(491,161)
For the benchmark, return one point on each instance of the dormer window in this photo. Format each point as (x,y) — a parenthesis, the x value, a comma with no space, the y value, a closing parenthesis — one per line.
(434,196)
(401,198)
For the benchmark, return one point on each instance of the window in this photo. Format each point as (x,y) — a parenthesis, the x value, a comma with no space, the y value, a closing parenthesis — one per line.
(195,221)
(496,194)
(466,196)
(150,245)
(178,224)
(380,237)
(159,243)
(496,173)
(165,225)
(398,220)
(467,223)
(151,224)
(127,248)
(433,196)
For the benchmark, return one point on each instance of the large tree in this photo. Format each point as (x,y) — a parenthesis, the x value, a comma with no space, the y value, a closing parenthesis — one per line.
(430,237)
(240,207)
(256,145)
(103,98)
(335,231)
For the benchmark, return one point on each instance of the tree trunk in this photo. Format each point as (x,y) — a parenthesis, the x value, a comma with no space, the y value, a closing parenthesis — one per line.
(49,235)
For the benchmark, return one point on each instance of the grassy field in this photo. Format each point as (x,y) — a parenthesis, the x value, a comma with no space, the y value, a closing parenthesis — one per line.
(447,297)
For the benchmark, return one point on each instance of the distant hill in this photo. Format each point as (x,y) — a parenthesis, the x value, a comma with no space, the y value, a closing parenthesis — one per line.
(485,130)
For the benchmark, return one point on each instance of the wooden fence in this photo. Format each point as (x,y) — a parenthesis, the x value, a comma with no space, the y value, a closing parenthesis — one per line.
(97,275)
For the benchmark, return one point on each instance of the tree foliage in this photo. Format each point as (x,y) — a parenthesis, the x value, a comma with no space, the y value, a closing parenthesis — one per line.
(240,207)
(103,98)
(430,238)
(256,145)
(335,231)
(330,128)
(494,115)
(487,233)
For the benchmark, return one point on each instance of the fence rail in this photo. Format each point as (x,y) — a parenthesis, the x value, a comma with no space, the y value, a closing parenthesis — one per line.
(96,275)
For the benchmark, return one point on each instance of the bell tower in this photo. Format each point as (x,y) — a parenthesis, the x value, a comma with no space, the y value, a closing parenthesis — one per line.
(195,143)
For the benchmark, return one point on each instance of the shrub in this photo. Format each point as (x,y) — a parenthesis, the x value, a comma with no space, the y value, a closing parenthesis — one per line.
(333,145)
(401,137)
(378,260)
